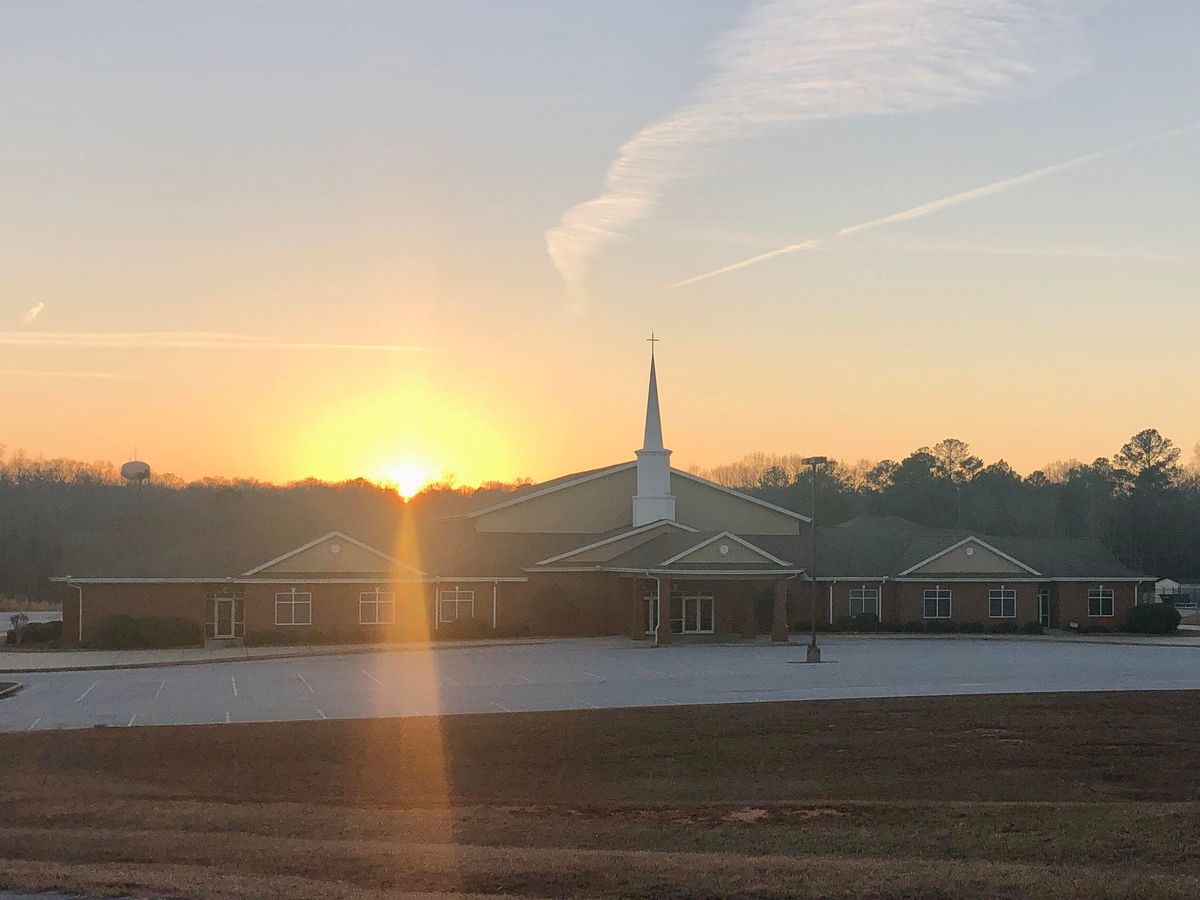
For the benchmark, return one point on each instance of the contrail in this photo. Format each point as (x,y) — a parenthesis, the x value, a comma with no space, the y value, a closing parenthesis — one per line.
(32,313)
(733,267)
(936,206)
(789,62)
(180,340)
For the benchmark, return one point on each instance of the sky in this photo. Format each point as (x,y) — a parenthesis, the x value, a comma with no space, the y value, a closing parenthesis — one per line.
(401,239)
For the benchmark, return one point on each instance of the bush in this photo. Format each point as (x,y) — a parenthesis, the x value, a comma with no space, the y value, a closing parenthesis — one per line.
(1152,618)
(266,639)
(972,628)
(860,622)
(913,627)
(131,633)
(37,633)
(463,629)
(1032,628)
(941,626)
(1004,628)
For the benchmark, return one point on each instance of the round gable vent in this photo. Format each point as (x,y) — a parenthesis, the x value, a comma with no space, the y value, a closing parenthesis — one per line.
(335,548)
(724,549)
(970,551)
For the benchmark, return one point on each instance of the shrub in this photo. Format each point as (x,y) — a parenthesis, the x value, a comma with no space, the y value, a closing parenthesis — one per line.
(266,639)
(1032,628)
(972,628)
(913,627)
(130,632)
(43,633)
(941,626)
(1004,628)
(463,629)
(1152,618)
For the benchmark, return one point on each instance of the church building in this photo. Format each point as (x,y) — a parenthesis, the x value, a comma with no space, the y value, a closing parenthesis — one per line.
(638,548)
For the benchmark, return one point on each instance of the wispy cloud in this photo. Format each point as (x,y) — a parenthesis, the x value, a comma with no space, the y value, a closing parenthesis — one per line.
(793,61)
(935,206)
(180,340)
(61,373)
(32,313)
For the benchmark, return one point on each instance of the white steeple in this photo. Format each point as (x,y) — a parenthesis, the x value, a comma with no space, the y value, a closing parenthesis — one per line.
(653,501)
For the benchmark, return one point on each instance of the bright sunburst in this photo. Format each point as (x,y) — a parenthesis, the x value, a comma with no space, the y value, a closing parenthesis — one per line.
(407,477)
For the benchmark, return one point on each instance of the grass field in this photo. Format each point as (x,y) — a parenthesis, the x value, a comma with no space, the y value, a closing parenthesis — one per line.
(1014,796)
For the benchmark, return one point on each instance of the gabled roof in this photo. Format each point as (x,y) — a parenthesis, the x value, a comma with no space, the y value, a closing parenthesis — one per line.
(970,539)
(728,536)
(613,538)
(740,495)
(391,561)
(549,487)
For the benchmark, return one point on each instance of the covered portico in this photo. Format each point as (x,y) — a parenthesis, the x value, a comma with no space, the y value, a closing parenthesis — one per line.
(667,606)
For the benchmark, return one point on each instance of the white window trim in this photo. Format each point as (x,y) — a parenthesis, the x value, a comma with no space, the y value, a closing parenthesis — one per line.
(684,596)
(937,600)
(1003,590)
(455,596)
(292,599)
(863,591)
(1101,591)
(374,599)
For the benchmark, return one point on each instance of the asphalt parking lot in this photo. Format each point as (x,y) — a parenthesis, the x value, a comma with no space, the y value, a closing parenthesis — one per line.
(580,674)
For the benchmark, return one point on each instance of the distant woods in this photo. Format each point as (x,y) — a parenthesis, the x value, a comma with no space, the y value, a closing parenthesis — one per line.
(1143,503)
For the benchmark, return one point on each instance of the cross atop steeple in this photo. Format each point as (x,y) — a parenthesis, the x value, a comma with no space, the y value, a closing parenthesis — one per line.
(652,340)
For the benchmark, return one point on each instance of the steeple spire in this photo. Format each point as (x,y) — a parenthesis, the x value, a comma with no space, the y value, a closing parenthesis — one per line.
(653,501)
(653,439)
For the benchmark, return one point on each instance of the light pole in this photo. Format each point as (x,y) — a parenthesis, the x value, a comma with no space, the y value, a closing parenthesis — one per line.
(814,652)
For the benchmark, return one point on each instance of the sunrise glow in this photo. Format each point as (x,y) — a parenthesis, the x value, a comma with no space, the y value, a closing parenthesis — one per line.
(407,477)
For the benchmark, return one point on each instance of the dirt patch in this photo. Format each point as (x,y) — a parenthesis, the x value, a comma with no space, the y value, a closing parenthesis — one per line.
(985,797)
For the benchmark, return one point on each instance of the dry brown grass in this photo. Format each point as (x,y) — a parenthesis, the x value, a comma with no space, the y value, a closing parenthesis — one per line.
(1034,796)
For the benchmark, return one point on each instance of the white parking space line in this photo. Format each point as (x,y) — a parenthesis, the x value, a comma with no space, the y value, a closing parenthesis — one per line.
(526,679)
(233,682)
(132,718)
(321,714)
(160,690)
(500,706)
(300,675)
(227,718)
(88,691)
(593,675)
(35,724)
(584,703)
(450,681)
(372,677)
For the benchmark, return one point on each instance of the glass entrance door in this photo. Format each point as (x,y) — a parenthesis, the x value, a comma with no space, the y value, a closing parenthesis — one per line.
(1043,598)
(223,618)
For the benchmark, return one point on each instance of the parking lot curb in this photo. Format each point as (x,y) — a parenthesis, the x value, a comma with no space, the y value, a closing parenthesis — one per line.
(344,651)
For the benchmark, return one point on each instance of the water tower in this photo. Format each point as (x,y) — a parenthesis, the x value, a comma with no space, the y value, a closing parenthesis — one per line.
(136,472)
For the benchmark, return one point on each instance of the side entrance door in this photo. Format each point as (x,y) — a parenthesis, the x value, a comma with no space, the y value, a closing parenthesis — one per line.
(223,627)
(1043,598)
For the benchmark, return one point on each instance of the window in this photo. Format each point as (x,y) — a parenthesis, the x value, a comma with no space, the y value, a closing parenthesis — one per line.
(864,600)
(937,603)
(376,608)
(690,612)
(293,608)
(1100,601)
(455,604)
(1002,603)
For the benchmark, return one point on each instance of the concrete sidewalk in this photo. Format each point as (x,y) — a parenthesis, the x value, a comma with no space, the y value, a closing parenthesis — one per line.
(17,661)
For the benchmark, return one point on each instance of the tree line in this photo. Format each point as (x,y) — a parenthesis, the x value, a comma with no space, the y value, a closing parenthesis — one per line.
(1143,502)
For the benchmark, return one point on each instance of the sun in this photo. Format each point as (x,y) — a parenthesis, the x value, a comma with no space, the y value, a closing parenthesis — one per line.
(407,477)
